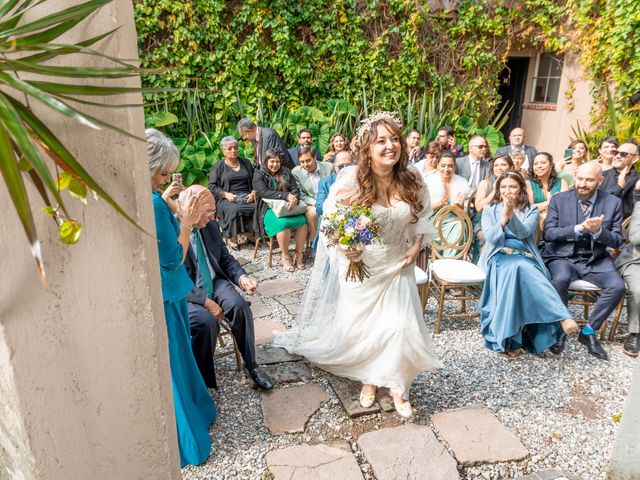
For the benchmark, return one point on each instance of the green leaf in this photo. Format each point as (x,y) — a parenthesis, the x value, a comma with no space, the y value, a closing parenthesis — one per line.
(78,190)
(47,35)
(70,231)
(65,160)
(10,118)
(64,71)
(17,192)
(64,179)
(162,119)
(77,11)
(51,51)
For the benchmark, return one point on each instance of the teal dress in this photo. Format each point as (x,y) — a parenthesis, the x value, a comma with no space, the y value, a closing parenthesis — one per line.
(538,193)
(519,307)
(194,408)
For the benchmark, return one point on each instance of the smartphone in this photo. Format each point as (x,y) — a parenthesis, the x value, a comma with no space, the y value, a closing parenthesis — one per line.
(176,177)
(568,153)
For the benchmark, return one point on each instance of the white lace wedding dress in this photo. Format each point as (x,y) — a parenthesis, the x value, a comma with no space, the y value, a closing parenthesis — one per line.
(373,331)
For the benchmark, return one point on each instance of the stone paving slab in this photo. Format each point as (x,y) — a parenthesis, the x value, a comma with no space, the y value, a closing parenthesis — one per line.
(408,452)
(279,286)
(287,410)
(264,330)
(293,309)
(265,275)
(267,355)
(289,372)
(476,436)
(289,298)
(348,392)
(251,268)
(318,462)
(258,308)
(385,401)
(548,475)
(242,260)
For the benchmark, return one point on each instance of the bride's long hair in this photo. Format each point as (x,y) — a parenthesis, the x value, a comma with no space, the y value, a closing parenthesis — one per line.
(405,182)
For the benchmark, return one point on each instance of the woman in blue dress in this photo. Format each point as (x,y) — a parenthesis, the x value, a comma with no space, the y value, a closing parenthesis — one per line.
(194,408)
(519,308)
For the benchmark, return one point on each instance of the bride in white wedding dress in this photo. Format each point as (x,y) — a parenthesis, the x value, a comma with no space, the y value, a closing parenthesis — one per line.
(372,331)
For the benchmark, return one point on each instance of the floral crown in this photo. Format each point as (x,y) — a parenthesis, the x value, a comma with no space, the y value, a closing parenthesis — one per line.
(365,125)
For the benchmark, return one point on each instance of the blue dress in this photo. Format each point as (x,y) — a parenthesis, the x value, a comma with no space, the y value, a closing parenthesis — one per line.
(194,408)
(519,307)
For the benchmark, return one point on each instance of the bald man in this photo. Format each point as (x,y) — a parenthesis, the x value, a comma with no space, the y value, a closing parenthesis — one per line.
(516,144)
(581,224)
(214,298)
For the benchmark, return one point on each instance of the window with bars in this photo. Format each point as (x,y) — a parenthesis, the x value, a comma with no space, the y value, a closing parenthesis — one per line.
(546,79)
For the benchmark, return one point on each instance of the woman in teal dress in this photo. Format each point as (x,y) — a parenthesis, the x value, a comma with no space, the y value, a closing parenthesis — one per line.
(519,307)
(194,408)
(274,181)
(544,183)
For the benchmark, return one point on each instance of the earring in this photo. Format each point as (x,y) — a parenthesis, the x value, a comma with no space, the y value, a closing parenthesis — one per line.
(369,162)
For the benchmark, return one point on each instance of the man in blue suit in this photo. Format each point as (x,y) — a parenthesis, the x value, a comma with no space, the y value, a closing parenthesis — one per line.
(216,274)
(581,224)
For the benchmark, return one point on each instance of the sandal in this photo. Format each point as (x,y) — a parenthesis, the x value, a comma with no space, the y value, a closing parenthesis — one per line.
(232,243)
(367,401)
(287,266)
(404,409)
(515,353)
(299,261)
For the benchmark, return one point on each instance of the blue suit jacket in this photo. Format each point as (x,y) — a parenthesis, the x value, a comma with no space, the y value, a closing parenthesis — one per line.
(223,263)
(562,217)
(323,192)
(295,151)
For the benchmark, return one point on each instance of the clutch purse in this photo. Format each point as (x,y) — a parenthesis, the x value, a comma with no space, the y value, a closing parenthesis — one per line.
(281,207)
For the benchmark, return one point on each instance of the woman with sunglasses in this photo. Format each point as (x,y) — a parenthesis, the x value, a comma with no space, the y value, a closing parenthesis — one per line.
(514,316)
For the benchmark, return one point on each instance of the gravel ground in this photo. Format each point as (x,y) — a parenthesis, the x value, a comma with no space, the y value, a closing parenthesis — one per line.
(563,408)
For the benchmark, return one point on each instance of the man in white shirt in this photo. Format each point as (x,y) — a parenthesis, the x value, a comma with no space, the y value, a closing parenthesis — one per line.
(308,174)
(516,143)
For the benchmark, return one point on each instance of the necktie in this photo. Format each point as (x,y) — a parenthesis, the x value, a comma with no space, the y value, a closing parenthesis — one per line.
(473,181)
(586,207)
(203,266)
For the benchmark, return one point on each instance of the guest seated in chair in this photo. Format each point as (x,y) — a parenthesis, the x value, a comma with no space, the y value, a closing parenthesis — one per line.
(513,316)
(447,188)
(628,264)
(275,182)
(231,182)
(309,174)
(581,224)
(215,274)
(544,183)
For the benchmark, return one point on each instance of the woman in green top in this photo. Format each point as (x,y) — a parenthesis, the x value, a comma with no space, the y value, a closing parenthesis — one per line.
(274,181)
(544,183)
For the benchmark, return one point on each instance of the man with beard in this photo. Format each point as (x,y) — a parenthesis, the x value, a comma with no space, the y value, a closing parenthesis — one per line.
(305,139)
(581,224)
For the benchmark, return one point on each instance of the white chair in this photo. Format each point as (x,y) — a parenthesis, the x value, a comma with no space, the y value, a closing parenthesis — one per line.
(454,271)
(588,294)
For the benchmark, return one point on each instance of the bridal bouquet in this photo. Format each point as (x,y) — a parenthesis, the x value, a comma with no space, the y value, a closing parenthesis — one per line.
(352,227)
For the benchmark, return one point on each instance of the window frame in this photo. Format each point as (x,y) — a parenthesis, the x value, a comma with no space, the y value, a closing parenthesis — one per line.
(546,78)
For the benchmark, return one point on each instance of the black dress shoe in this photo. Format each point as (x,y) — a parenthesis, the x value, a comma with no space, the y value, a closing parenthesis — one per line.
(558,347)
(593,346)
(632,345)
(259,379)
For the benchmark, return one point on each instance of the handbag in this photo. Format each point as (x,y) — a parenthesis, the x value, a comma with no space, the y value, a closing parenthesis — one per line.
(281,207)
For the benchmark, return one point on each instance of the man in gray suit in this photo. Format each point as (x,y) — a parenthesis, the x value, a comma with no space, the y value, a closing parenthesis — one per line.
(516,143)
(305,139)
(628,264)
(263,139)
(474,167)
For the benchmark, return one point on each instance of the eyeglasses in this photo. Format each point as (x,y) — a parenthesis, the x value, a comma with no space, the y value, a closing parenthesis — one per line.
(624,154)
(340,167)
(211,213)
(483,147)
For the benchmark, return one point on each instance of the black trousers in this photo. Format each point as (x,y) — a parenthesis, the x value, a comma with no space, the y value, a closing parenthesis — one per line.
(565,271)
(205,329)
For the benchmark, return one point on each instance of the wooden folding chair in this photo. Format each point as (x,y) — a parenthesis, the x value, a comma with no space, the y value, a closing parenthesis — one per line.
(453,272)
(225,331)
